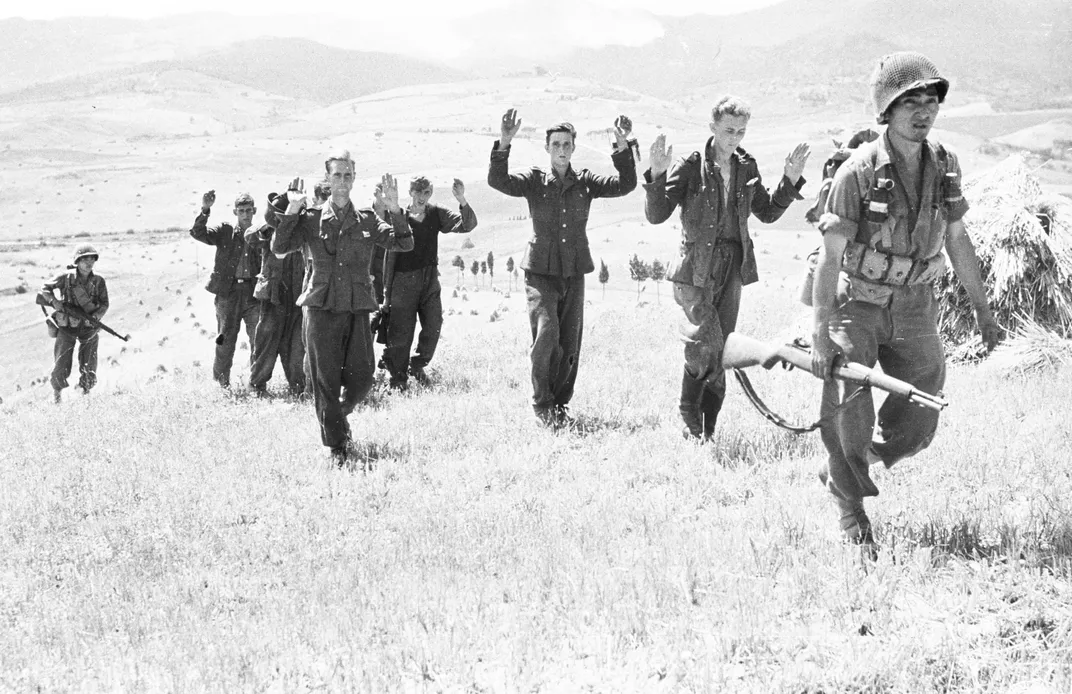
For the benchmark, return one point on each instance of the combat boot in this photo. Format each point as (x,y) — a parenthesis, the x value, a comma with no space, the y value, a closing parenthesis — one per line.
(339,457)
(419,375)
(545,415)
(399,382)
(691,393)
(856,526)
(710,406)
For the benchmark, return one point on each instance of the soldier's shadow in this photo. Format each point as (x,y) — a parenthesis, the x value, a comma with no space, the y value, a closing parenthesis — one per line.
(367,455)
(588,425)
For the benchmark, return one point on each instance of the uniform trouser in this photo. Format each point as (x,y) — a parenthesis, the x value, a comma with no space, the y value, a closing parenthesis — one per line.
(414,295)
(556,315)
(231,311)
(903,339)
(339,345)
(87,338)
(711,314)
(279,333)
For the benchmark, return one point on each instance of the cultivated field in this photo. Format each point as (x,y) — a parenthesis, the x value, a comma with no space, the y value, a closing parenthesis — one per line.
(163,536)
(160,535)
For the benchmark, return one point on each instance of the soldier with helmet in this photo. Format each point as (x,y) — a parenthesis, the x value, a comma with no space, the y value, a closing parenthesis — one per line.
(83,289)
(234,274)
(892,209)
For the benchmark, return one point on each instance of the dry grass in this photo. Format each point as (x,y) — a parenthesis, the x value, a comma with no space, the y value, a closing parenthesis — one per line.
(1027,269)
(168,537)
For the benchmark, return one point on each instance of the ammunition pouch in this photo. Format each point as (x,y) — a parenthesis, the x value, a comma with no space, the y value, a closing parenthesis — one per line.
(890,269)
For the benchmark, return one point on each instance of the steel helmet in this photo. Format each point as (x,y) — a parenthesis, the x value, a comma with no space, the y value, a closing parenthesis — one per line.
(897,73)
(85,250)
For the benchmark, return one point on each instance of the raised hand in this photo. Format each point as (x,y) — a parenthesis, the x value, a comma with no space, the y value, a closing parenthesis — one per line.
(623,127)
(795,161)
(388,187)
(459,191)
(207,199)
(296,199)
(660,156)
(509,127)
(379,204)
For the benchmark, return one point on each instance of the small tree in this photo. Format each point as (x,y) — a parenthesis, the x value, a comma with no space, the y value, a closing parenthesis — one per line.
(474,268)
(639,271)
(491,267)
(460,264)
(510,270)
(604,276)
(483,269)
(658,273)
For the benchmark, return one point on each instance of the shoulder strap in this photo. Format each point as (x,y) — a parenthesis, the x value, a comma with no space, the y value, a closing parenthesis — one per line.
(876,202)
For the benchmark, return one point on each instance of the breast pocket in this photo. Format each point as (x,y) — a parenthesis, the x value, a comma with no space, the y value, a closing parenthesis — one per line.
(577,204)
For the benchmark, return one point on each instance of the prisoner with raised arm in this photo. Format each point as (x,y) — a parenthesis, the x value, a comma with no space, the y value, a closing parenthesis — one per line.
(717,190)
(279,326)
(234,274)
(557,256)
(337,242)
(893,207)
(415,293)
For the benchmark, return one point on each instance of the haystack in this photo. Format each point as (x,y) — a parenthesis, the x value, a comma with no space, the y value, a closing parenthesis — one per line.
(1024,242)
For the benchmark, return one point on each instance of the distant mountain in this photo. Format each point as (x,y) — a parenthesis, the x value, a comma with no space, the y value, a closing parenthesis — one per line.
(290,67)
(1008,49)
(303,69)
(36,51)
(214,44)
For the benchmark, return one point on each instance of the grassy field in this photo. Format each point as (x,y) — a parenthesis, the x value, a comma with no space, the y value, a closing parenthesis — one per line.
(163,536)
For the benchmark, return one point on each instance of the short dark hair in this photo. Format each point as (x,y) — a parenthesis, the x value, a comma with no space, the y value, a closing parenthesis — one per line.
(419,183)
(562,127)
(343,155)
(322,190)
(730,105)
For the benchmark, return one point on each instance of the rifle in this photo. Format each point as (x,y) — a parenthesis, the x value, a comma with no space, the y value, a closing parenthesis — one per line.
(741,352)
(78,312)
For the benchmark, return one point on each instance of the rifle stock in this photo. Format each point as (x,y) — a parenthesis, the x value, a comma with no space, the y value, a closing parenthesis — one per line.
(741,352)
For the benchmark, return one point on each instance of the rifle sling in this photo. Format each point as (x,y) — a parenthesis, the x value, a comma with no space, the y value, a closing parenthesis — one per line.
(777,419)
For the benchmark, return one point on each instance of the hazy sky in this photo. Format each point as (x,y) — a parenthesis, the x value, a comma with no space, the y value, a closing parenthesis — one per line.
(360,8)
(436,30)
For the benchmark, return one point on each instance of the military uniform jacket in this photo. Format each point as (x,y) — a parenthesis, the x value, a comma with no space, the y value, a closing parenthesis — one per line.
(280,280)
(559,209)
(229,250)
(683,186)
(90,294)
(339,253)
